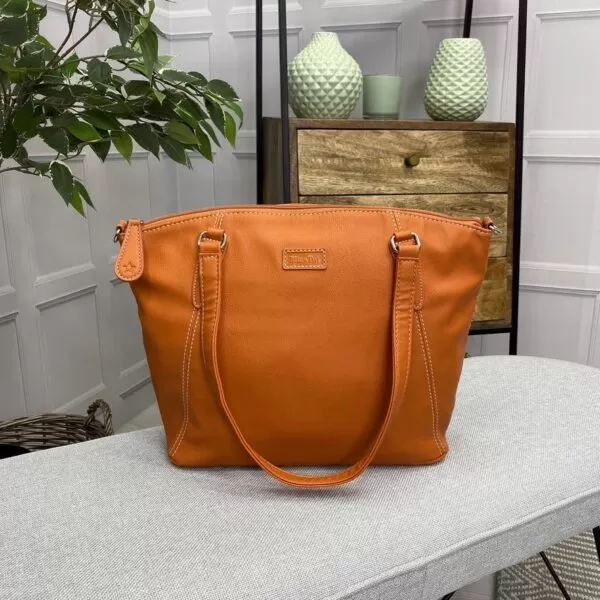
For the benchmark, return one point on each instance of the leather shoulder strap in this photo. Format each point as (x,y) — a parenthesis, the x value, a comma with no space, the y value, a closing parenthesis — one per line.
(405,274)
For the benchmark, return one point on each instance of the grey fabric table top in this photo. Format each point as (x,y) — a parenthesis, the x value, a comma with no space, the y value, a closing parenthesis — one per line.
(113,519)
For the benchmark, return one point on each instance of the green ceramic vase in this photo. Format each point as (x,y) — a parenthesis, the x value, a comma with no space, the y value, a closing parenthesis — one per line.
(325,82)
(457,87)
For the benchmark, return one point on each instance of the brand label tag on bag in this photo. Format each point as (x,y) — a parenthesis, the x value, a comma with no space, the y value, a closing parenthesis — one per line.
(304,259)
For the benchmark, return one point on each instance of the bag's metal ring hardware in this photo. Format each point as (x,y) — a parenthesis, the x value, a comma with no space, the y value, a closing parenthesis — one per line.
(495,229)
(396,248)
(118,232)
(204,236)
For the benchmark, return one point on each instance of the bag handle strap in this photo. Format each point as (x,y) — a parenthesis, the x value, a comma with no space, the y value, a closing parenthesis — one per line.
(405,281)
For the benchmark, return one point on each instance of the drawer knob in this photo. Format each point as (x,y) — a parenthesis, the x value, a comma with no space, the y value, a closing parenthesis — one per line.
(412,161)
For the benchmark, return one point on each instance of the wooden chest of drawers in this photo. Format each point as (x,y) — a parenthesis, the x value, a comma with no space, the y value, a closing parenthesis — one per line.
(462,169)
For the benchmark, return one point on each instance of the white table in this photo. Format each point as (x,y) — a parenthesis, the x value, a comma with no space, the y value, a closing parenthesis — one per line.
(113,519)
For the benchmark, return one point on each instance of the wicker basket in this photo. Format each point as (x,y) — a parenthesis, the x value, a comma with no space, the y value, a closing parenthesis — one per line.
(52,430)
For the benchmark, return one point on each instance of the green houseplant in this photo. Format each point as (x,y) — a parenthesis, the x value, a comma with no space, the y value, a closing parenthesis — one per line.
(129,93)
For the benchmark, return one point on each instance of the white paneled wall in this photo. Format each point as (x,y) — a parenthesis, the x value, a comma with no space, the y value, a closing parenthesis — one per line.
(68,330)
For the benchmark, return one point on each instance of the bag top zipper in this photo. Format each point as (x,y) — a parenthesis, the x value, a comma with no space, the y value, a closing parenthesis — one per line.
(485,223)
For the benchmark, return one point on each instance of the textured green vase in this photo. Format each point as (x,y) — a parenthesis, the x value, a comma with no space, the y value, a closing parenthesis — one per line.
(457,87)
(324,80)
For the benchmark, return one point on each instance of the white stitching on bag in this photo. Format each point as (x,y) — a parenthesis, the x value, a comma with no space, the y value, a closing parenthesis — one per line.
(474,228)
(430,379)
(201,267)
(184,378)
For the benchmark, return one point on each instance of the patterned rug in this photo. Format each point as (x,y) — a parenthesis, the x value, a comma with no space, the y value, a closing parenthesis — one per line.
(576,563)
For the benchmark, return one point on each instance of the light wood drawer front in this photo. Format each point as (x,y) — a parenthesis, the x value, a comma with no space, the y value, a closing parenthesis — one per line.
(466,205)
(492,300)
(336,162)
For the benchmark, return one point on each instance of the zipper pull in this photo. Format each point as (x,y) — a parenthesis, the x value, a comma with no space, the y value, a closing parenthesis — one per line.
(129,265)
(487,223)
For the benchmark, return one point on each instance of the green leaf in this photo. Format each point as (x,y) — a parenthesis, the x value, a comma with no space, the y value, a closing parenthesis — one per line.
(56,138)
(13,30)
(151,5)
(69,67)
(145,136)
(216,114)
(7,58)
(82,191)
(40,39)
(121,53)
(101,149)
(13,8)
(159,95)
(64,120)
(98,101)
(204,144)
(24,119)
(76,201)
(163,60)
(99,71)
(221,88)
(174,150)
(34,15)
(101,120)
(84,131)
(180,132)
(59,91)
(148,42)
(230,129)
(194,109)
(8,143)
(177,76)
(123,144)
(39,44)
(117,108)
(137,87)
(42,167)
(200,79)
(124,25)
(20,155)
(35,60)
(205,126)
(74,143)
(81,91)
(137,67)
(237,109)
(62,179)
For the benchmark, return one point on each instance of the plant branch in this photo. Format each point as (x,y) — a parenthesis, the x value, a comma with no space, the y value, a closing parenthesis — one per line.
(71,22)
(20,169)
(83,37)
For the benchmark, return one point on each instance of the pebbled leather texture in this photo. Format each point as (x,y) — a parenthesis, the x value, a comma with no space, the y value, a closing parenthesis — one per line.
(350,357)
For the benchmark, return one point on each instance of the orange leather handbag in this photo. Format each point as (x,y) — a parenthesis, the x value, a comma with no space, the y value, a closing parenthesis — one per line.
(305,335)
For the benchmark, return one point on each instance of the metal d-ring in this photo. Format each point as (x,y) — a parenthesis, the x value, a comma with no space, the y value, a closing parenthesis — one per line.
(396,248)
(204,235)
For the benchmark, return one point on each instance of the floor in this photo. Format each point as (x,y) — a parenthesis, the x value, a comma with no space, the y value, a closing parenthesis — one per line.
(481,590)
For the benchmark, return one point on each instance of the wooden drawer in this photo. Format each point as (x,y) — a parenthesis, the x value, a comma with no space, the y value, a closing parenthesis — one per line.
(492,302)
(349,162)
(466,205)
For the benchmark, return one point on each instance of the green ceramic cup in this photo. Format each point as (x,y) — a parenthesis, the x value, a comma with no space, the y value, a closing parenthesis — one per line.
(381,96)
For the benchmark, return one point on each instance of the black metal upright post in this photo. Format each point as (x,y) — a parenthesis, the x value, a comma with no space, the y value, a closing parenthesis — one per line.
(519,132)
(468,19)
(283,90)
(259,105)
